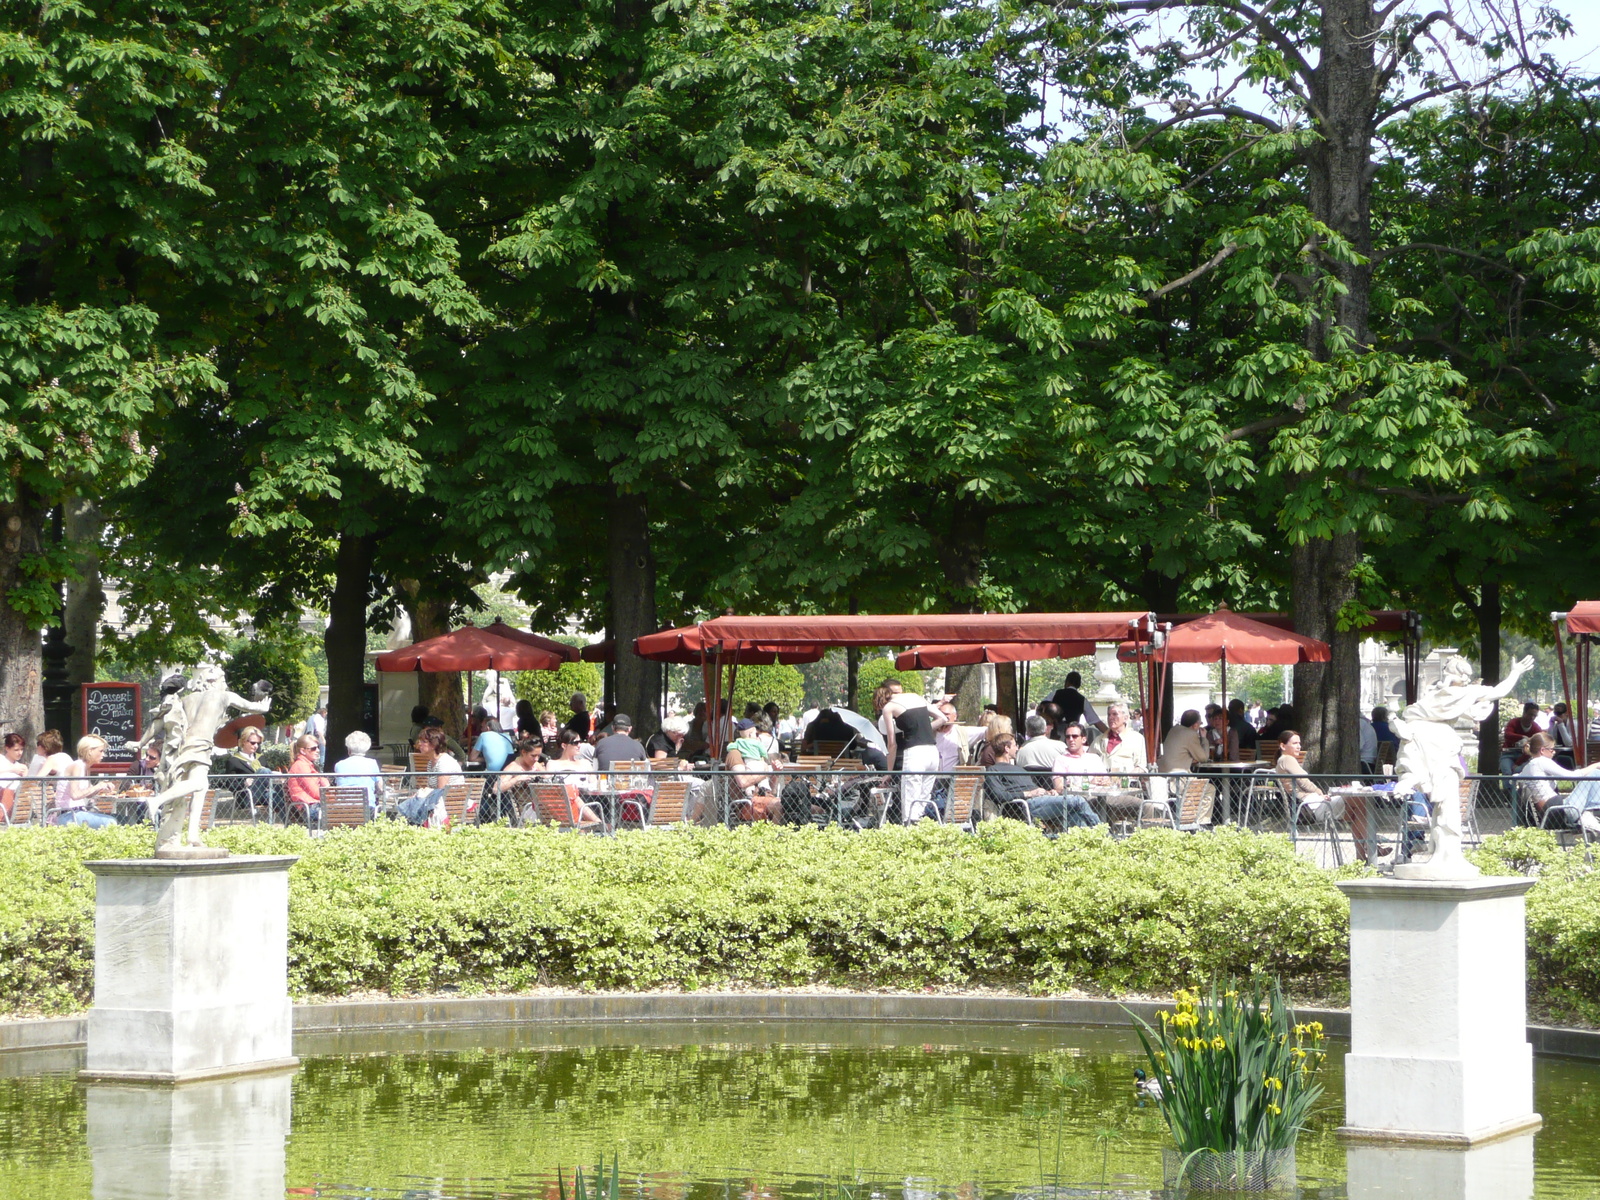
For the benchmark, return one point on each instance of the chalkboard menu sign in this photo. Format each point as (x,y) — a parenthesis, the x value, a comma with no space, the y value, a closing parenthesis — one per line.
(111,711)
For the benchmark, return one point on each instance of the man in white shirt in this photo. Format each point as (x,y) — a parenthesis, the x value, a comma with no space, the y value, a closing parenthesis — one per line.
(1369,747)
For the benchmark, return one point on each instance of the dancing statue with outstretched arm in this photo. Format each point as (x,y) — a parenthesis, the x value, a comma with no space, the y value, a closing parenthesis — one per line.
(187,722)
(1430,758)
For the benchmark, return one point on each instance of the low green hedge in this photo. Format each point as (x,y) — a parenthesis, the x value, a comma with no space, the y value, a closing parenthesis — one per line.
(393,909)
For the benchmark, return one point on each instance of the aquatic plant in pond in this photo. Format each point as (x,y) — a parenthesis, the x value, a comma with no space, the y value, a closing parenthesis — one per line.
(1236,1072)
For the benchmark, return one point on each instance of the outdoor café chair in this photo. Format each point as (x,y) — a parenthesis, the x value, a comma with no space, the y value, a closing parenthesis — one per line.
(1320,810)
(343,806)
(552,806)
(964,787)
(22,806)
(1196,805)
(666,808)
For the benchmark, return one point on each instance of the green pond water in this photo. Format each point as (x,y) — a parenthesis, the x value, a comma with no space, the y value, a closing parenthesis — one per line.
(691,1112)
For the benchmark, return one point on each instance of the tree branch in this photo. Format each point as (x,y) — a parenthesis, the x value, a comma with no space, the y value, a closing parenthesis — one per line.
(1261,426)
(1215,261)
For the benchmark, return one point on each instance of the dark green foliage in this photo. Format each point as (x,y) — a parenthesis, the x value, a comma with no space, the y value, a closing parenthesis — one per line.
(553,689)
(282,663)
(873,672)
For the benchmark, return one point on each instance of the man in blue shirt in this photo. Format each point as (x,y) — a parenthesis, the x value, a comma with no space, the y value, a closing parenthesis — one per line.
(493,748)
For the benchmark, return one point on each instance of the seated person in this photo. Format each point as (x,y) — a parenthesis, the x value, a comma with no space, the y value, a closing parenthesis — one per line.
(829,726)
(451,746)
(1517,732)
(1542,767)
(1317,802)
(239,768)
(667,742)
(1242,735)
(1005,783)
(755,790)
(1077,767)
(1039,753)
(1184,747)
(12,768)
(492,747)
(74,797)
(619,745)
(576,773)
(358,769)
(511,788)
(305,782)
(441,770)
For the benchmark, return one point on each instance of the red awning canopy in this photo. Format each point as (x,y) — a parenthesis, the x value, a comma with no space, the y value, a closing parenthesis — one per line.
(921,658)
(1584,617)
(468,649)
(1385,620)
(687,645)
(1225,636)
(500,629)
(988,629)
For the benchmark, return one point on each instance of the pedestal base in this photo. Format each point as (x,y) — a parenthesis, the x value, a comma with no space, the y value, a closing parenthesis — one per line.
(1438,1027)
(203,1141)
(191,969)
(1502,1170)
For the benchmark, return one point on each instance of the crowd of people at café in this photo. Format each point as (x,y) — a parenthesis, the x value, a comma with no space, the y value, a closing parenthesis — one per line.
(1040,773)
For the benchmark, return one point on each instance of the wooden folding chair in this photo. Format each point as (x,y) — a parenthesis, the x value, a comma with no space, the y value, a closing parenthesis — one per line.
(208,809)
(456,798)
(1267,751)
(1195,808)
(667,807)
(552,806)
(663,764)
(827,750)
(964,789)
(419,763)
(1469,810)
(343,807)
(21,808)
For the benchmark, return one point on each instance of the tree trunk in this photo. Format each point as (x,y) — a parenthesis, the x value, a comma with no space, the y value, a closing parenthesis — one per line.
(86,599)
(960,550)
(345,639)
(1488,612)
(1327,696)
(440,691)
(21,667)
(1005,689)
(633,610)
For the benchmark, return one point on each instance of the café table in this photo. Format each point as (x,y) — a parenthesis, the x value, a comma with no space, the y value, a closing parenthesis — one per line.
(1398,807)
(1227,786)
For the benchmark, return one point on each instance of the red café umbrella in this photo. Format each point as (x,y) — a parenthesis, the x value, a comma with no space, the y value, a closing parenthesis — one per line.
(500,629)
(921,658)
(1226,637)
(468,649)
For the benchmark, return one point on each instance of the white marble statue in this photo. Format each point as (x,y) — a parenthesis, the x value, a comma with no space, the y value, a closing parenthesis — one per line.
(1430,758)
(187,722)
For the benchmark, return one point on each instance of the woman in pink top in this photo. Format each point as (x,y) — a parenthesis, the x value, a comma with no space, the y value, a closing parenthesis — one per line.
(305,784)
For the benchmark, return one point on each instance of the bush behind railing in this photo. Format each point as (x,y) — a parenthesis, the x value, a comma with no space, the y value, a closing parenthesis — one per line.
(388,908)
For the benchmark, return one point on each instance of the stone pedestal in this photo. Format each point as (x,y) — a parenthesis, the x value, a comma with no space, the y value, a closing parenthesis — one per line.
(1438,1013)
(1191,688)
(191,969)
(1501,1170)
(196,1141)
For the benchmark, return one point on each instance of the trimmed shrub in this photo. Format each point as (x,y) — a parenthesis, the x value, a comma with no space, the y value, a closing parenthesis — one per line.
(873,671)
(294,683)
(778,682)
(553,689)
(388,908)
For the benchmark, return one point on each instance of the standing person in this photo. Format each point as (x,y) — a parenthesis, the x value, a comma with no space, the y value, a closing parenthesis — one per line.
(316,726)
(12,769)
(73,795)
(358,769)
(1518,730)
(619,745)
(305,784)
(1380,725)
(1072,705)
(1369,747)
(909,728)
